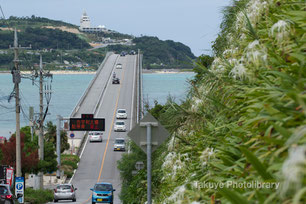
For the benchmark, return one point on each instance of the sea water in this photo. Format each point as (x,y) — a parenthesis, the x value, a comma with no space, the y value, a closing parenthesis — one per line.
(67,90)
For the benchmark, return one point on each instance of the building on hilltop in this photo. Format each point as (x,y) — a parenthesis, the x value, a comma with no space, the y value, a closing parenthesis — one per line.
(86,27)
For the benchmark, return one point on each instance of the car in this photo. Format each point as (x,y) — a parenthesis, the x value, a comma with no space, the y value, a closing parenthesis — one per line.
(121,114)
(116,81)
(64,192)
(102,193)
(119,126)
(118,66)
(6,195)
(119,144)
(123,53)
(95,136)
(132,52)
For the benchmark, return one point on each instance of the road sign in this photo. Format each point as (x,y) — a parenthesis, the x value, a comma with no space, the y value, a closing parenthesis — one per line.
(80,124)
(72,135)
(19,188)
(148,135)
(139,133)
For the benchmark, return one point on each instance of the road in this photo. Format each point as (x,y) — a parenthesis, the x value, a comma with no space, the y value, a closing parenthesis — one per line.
(98,160)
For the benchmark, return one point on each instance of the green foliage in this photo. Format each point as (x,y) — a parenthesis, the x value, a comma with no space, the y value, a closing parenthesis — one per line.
(33,21)
(49,164)
(50,136)
(42,38)
(38,196)
(126,165)
(158,53)
(69,164)
(244,119)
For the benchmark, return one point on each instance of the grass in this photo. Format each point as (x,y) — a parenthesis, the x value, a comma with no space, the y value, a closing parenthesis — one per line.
(69,164)
(38,196)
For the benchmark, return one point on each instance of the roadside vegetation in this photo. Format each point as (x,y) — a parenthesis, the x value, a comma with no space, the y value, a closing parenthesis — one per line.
(69,163)
(38,196)
(243,123)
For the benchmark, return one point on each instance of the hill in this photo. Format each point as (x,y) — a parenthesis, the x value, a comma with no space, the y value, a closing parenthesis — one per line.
(240,136)
(64,38)
(158,53)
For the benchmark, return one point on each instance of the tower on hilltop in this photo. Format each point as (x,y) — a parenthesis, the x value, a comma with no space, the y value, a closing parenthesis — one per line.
(85,21)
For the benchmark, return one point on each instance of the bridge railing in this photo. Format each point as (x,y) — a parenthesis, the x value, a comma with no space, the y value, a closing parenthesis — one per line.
(76,108)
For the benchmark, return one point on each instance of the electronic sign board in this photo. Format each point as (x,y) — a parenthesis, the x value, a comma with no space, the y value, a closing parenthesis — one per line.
(82,124)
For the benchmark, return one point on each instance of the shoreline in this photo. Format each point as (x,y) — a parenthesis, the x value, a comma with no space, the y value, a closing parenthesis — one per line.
(144,71)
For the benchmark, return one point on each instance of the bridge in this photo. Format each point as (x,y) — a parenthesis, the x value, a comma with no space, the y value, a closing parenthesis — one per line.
(98,161)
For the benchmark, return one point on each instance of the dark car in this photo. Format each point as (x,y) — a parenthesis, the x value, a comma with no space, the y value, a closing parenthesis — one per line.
(122,54)
(116,81)
(6,196)
(132,52)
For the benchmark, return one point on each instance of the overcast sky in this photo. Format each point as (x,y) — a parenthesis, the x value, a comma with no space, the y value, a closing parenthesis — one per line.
(192,22)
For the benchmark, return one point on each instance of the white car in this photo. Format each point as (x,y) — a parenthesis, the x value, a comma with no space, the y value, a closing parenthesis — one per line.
(95,136)
(119,66)
(119,144)
(121,114)
(119,126)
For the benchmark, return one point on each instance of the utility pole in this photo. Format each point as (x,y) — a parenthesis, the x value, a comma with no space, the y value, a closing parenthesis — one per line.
(41,122)
(16,81)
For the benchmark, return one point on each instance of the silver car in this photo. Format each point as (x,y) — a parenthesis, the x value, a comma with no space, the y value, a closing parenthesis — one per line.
(119,144)
(95,136)
(65,192)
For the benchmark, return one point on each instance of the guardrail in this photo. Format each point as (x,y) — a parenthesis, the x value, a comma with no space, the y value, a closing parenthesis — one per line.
(76,108)
(102,92)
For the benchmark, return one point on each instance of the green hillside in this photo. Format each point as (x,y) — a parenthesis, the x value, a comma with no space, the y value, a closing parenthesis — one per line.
(240,137)
(158,53)
(57,36)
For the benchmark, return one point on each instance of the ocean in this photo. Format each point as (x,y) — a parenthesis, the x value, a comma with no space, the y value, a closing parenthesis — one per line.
(67,90)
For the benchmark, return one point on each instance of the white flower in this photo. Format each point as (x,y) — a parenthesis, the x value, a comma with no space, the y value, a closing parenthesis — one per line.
(293,168)
(238,71)
(178,194)
(253,44)
(280,30)
(171,143)
(256,53)
(196,102)
(254,10)
(206,155)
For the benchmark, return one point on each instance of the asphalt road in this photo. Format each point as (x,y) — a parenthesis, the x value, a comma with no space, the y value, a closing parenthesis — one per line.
(98,160)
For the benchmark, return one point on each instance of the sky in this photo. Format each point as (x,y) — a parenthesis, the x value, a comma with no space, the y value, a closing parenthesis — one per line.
(192,22)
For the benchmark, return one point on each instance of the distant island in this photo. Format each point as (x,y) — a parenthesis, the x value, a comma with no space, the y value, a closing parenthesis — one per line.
(65,47)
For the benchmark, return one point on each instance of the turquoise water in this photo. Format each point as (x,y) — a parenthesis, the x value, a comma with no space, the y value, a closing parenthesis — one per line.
(67,90)
(160,86)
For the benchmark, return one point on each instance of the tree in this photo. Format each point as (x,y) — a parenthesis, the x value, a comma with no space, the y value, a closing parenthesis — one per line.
(29,156)
(51,137)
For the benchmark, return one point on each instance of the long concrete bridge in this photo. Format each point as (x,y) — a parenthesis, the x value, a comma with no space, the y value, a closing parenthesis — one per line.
(102,98)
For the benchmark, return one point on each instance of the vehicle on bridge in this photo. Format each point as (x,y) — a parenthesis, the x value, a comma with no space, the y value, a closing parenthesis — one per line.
(116,80)
(102,193)
(121,114)
(119,144)
(95,136)
(64,192)
(132,52)
(119,126)
(118,66)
